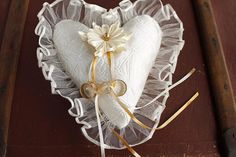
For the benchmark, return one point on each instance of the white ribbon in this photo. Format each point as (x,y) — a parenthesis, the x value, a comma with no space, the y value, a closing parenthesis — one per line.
(102,145)
(168,89)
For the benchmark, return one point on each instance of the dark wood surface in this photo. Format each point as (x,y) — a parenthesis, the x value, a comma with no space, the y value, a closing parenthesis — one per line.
(221,87)
(41,127)
(4,7)
(218,74)
(225,13)
(9,56)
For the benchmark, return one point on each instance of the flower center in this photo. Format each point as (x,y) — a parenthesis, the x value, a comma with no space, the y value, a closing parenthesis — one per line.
(106,37)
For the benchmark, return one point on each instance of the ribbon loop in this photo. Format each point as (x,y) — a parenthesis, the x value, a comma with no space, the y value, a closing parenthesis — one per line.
(90,89)
(116,88)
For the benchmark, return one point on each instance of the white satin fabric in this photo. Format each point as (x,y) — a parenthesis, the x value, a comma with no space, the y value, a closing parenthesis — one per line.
(158,80)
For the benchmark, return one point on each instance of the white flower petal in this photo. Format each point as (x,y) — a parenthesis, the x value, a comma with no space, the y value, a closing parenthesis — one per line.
(110,47)
(118,32)
(97,29)
(96,44)
(101,51)
(83,36)
(115,43)
(105,48)
(121,37)
(94,35)
(113,28)
(105,29)
(98,53)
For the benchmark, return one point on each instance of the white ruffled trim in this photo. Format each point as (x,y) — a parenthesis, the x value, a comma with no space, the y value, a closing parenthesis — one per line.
(159,78)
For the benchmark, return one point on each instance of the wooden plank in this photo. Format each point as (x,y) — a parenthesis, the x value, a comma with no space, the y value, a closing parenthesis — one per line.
(4,7)
(226,26)
(218,72)
(9,54)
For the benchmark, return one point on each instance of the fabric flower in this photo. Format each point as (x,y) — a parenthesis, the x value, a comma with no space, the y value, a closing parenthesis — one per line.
(106,38)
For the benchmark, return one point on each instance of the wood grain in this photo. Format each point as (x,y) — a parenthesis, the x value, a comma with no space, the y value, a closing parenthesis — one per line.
(9,54)
(4,7)
(225,18)
(218,73)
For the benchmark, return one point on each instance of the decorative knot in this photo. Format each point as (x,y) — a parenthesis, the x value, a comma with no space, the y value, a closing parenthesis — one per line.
(91,89)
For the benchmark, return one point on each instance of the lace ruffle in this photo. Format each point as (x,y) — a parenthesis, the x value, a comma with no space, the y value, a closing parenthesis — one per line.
(159,78)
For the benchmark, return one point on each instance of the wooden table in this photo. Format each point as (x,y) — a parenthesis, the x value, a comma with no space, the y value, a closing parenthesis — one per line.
(41,127)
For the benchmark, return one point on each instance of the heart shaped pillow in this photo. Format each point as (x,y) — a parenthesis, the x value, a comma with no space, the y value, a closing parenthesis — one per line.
(132,66)
(146,66)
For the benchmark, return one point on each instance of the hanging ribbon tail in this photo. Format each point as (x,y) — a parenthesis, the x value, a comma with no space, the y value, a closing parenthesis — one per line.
(124,107)
(165,123)
(126,144)
(169,88)
(168,121)
(102,145)
(128,112)
(123,141)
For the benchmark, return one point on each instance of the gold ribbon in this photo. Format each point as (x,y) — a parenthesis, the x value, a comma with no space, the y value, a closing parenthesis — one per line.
(94,63)
(165,123)
(109,57)
(145,126)
(123,141)
(108,88)
(126,144)
(92,89)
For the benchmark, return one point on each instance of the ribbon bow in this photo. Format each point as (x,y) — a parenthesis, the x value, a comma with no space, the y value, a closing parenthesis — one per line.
(91,89)
(116,88)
